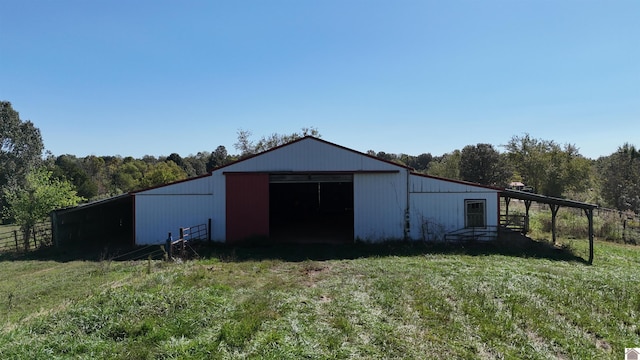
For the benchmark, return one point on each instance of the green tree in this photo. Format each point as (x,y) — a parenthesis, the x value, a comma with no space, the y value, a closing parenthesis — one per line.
(247,147)
(162,173)
(96,169)
(128,175)
(184,163)
(68,167)
(447,166)
(198,163)
(621,178)
(20,149)
(33,202)
(218,158)
(549,168)
(483,164)
(420,162)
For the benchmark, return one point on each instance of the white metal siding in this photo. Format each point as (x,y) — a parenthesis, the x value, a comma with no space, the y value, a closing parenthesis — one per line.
(379,206)
(157,215)
(165,209)
(437,206)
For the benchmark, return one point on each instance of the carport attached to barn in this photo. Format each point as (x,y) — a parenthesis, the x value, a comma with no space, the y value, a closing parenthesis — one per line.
(103,222)
(555,204)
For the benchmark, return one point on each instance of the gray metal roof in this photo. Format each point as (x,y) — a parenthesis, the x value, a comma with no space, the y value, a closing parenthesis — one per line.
(93,203)
(523,195)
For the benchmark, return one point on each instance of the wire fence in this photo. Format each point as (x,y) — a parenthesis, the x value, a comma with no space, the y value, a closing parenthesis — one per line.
(609,224)
(155,252)
(12,238)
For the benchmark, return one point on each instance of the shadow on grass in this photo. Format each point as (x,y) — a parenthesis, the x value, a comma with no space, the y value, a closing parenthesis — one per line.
(66,254)
(517,247)
(318,252)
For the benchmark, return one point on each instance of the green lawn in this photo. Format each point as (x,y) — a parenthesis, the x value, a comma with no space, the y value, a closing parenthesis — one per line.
(384,302)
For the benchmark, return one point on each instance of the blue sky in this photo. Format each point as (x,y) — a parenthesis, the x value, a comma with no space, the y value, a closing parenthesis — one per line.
(157,77)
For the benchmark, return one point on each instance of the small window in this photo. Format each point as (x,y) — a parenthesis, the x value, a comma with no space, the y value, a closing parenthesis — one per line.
(475,214)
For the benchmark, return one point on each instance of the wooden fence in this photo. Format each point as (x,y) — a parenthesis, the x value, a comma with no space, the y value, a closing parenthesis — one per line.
(11,238)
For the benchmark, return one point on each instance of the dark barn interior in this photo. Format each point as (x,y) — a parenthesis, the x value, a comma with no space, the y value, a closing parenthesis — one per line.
(107,222)
(317,210)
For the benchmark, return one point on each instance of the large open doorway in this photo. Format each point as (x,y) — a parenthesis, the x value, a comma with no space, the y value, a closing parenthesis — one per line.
(311,208)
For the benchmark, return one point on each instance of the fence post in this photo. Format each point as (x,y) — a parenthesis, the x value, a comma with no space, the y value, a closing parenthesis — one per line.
(35,244)
(209,231)
(15,235)
(169,247)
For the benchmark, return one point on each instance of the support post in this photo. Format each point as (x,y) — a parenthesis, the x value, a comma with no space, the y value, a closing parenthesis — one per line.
(181,242)
(554,212)
(589,213)
(527,206)
(15,235)
(507,200)
(169,247)
(54,229)
(209,230)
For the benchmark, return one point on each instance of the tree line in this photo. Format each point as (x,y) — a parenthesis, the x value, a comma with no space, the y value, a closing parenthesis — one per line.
(547,167)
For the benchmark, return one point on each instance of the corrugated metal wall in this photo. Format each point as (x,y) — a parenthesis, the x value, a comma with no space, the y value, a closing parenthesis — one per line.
(165,209)
(438,206)
(157,215)
(379,206)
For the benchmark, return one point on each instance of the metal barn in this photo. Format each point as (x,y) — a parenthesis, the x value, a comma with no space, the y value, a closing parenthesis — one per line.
(314,191)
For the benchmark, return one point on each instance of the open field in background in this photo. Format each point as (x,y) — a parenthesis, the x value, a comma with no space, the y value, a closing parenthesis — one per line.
(12,240)
(610,225)
(525,301)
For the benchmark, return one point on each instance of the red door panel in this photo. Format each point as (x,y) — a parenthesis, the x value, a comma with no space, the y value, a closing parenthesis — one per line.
(247,206)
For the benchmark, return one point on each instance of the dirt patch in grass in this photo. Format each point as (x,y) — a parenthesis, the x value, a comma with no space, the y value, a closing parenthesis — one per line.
(314,271)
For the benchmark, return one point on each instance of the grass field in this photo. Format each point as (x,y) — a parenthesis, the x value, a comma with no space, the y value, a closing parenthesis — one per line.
(399,301)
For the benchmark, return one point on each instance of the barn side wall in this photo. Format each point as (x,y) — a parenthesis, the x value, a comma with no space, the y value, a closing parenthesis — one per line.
(438,206)
(158,215)
(163,210)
